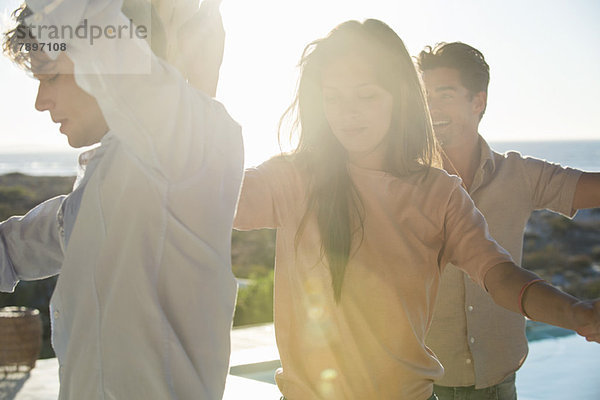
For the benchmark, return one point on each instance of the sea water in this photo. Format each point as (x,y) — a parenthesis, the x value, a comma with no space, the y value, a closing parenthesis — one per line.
(583,155)
(58,163)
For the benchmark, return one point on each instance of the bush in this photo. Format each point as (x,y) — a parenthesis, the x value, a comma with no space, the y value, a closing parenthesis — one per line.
(595,253)
(560,225)
(579,263)
(253,252)
(15,200)
(19,193)
(586,290)
(253,258)
(255,302)
(550,258)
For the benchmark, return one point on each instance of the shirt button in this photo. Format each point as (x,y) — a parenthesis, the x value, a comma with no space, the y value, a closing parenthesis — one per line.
(468,361)
(56,314)
(472,340)
(470,308)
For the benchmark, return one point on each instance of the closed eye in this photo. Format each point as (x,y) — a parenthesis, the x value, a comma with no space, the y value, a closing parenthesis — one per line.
(367,92)
(330,96)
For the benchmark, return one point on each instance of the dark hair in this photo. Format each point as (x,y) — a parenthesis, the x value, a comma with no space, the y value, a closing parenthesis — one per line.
(411,144)
(470,63)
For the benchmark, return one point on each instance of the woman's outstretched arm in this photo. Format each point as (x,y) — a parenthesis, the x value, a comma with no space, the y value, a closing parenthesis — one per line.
(513,288)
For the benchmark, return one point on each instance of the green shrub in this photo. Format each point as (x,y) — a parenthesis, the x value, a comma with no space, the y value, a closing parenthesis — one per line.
(252,252)
(579,263)
(255,302)
(595,253)
(586,290)
(549,258)
(560,225)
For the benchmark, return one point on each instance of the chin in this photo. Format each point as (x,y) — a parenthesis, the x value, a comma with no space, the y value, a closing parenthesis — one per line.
(78,141)
(76,144)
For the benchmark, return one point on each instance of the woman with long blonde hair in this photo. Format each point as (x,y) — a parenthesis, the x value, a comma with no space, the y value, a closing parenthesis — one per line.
(364,224)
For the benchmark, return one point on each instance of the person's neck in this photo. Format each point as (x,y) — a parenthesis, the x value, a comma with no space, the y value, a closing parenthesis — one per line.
(373,159)
(463,159)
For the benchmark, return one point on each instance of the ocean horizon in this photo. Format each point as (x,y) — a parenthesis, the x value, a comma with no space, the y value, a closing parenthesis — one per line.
(580,154)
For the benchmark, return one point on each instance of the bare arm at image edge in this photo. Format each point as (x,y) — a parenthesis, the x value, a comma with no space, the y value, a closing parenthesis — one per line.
(543,302)
(587,191)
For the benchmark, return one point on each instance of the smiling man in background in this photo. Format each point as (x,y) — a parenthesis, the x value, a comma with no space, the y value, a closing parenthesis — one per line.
(144,302)
(480,344)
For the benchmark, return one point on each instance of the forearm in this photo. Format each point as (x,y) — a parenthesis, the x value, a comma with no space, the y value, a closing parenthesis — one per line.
(587,191)
(540,301)
(163,121)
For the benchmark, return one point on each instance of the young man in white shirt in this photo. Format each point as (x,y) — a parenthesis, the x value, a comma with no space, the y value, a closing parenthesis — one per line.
(144,302)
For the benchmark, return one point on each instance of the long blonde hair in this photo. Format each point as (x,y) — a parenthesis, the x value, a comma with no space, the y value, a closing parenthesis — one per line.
(411,144)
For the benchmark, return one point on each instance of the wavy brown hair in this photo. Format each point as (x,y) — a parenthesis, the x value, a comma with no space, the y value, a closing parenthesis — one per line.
(13,39)
(410,142)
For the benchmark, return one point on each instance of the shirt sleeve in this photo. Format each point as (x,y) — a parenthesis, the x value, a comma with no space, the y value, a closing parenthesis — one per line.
(31,245)
(468,244)
(168,125)
(271,193)
(552,185)
(256,206)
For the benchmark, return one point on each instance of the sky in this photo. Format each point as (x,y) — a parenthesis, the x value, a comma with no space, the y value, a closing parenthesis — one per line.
(544,59)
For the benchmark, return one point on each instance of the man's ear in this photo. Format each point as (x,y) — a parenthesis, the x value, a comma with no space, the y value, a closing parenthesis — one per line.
(479,102)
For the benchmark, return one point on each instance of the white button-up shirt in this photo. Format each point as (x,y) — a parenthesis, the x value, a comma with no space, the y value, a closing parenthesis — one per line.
(144,301)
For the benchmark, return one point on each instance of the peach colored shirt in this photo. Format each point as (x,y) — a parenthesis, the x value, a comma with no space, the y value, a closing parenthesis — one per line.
(371,344)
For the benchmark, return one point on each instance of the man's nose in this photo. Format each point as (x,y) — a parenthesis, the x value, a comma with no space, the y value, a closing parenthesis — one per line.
(43,101)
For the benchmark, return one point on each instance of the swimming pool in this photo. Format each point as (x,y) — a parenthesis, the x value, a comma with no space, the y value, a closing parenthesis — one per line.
(261,371)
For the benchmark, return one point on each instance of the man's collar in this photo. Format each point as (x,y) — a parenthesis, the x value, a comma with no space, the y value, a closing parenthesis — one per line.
(108,136)
(86,156)
(487,160)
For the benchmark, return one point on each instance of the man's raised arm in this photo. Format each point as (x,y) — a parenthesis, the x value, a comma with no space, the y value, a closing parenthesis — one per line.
(169,125)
